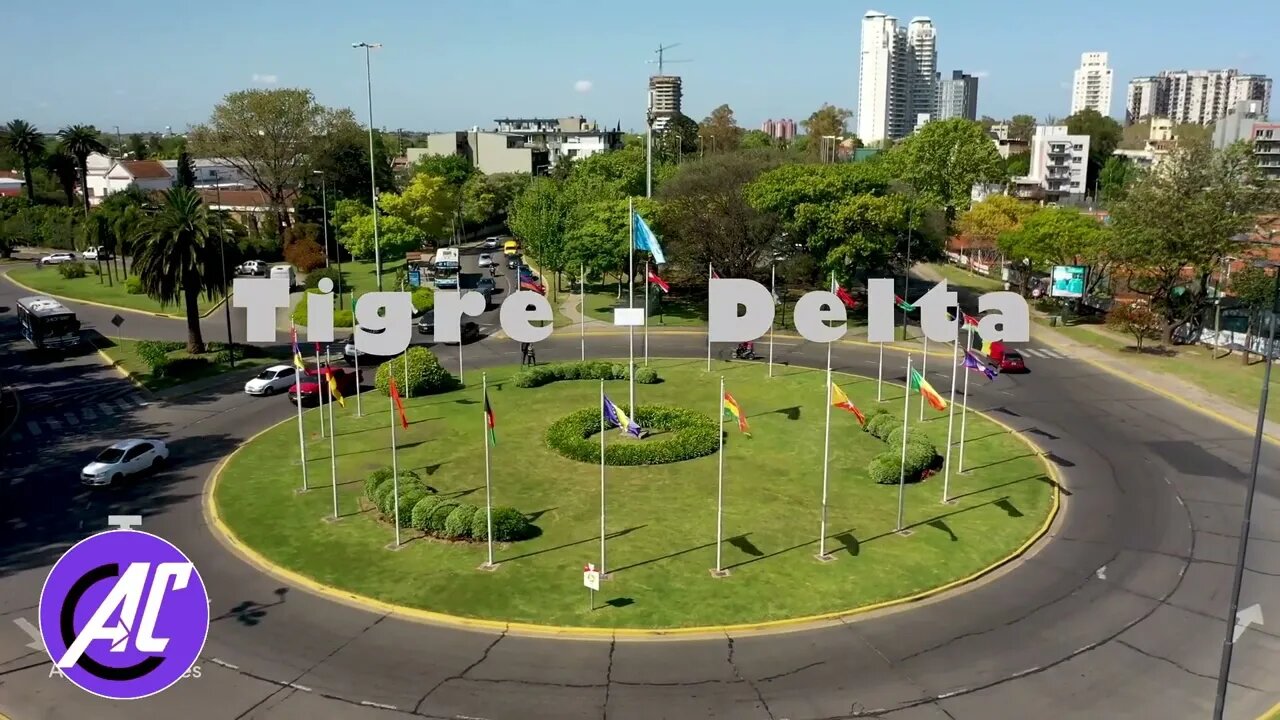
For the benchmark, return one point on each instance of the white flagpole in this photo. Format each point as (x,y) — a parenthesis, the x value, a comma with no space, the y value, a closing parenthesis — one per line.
(709,271)
(773,290)
(395,469)
(880,377)
(720,483)
(460,377)
(924,370)
(302,442)
(902,471)
(646,313)
(488,487)
(631,304)
(602,505)
(582,309)
(407,391)
(951,412)
(359,405)
(826,465)
(964,412)
(320,379)
(333,457)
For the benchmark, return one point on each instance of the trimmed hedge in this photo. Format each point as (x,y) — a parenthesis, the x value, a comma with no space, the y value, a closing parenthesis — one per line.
(72,270)
(509,525)
(426,375)
(691,435)
(539,375)
(458,525)
(887,467)
(422,508)
(439,516)
(133,285)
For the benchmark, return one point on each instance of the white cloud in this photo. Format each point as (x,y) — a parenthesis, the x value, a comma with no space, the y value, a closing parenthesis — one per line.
(982,74)
(582,86)
(265,79)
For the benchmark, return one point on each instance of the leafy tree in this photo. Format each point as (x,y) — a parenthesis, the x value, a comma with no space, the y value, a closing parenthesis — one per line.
(1174,225)
(181,257)
(1134,137)
(598,232)
(539,216)
(455,169)
(1255,290)
(826,120)
(986,121)
(1022,127)
(137,147)
(81,141)
(1193,132)
(1018,165)
(1135,319)
(1104,137)
(757,140)
(63,169)
(427,205)
(355,232)
(186,171)
(124,212)
(155,148)
(944,159)
(342,158)
(620,173)
(27,143)
(269,136)
(1061,236)
(997,215)
(302,247)
(1116,176)
(677,140)
(485,198)
(720,131)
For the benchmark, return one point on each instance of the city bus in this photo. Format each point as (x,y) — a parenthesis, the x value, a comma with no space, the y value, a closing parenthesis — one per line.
(47,323)
(447,267)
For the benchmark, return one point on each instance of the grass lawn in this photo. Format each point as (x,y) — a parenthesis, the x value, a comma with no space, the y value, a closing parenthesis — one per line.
(48,280)
(671,312)
(187,367)
(966,279)
(661,518)
(1225,377)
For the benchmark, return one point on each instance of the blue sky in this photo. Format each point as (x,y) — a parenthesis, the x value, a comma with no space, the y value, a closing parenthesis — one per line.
(145,64)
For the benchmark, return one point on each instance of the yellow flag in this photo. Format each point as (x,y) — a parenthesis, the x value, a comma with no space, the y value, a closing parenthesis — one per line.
(334,392)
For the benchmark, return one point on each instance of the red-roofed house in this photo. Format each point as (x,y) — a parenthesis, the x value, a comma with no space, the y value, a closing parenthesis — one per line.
(250,207)
(11,183)
(147,175)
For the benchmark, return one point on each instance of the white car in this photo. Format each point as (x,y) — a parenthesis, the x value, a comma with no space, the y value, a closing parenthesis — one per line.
(127,457)
(492,243)
(486,260)
(274,379)
(254,267)
(96,253)
(58,258)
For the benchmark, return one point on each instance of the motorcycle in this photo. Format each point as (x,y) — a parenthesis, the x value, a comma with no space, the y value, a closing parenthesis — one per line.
(745,352)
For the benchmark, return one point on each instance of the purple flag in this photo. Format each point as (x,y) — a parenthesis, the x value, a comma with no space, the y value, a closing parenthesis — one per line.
(972,362)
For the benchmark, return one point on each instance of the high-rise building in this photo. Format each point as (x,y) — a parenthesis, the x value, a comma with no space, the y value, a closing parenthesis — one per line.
(1194,96)
(665,95)
(896,74)
(957,97)
(779,129)
(1238,123)
(1059,162)
(1092,86)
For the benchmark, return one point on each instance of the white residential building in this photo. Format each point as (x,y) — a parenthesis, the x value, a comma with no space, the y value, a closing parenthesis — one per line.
(957,97)
(211,172)
(1196,97)
(96,167)
(1092,86)
(145,175)
(896,76)
(1059,162)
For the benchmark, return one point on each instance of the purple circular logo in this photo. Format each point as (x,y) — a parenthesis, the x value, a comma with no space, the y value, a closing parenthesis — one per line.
(124,614)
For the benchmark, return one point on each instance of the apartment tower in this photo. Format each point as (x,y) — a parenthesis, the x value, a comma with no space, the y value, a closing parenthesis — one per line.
(896,76)
(1092,86)
(1194,96)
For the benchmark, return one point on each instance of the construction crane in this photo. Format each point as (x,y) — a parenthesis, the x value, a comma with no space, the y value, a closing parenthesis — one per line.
(662,61)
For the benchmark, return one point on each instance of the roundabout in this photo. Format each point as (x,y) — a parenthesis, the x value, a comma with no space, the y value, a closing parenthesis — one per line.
(661,517)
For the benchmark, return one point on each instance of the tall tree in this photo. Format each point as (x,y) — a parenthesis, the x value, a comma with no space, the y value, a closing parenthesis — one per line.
(827,120)
(678,140)
(1061,236)
(81,141)
(95,233)
(138,149)
(353,222)
(1104,134)
(486,198)
(986,221)
(63,169)
(427,205)
(1116,176)
(186,171)
(620,173)
(1022,127)
(1255,290)
(180,257)
(944,159)
(539,216)
(720,131)
(27,143)
(455,169)
(269,136)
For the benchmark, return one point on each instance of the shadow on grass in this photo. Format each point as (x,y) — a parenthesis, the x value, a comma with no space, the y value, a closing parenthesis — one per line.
(944,527)
(1041,477)
(686,551)
(1001,462)
(575,543)
(381,449)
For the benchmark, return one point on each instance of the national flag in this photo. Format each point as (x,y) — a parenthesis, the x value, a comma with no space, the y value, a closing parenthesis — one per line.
(969,319)
(528,284)
(973,362)
(776,300)
(395,398)
(714,275)
(842,401)
(334,392)
(926,390)
(849,301)
(992,348)
(645,239)
(653,278)
(615,415)
(732,410)
(489,420)
(903,304)
(298,362)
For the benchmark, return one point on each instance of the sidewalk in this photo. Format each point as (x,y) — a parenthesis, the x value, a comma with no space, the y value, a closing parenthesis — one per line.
(1168,386)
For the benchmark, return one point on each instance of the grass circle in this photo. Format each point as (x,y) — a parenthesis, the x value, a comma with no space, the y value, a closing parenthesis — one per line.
(673,434)
(661,519)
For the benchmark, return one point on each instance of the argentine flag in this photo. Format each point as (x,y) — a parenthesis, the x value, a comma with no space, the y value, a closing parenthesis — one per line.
(645,239)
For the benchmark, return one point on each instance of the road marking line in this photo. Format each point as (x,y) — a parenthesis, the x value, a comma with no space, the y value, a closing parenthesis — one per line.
(106,409)
(296,686)
(71,419)
(225,664)
(366,703)
(34,427)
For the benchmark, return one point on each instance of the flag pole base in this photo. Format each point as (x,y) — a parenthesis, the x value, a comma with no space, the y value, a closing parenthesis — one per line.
(331,518)
(394,546)
(825,558)
(488,567)
(949,502)
(301,491)
(606,576)
(719,573)
(905,532)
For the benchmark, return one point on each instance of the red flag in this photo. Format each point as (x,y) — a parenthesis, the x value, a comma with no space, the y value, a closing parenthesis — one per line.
(969,319)
(395,398)
(653,278)
(527,284)
(715,275)
(849,301)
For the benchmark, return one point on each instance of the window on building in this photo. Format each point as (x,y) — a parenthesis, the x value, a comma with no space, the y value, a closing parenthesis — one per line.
(1077,146)
(1075,184)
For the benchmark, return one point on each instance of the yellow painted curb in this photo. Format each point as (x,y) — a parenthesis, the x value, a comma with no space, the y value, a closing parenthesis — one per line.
(1271,714)
(135,311)
(228,538)
(115,364)
(1170,396)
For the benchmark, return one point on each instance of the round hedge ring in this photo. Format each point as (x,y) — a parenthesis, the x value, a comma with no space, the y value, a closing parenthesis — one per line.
(686,435)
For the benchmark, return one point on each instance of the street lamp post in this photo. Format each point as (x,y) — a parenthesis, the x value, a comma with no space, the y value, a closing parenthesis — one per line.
(373,175)
(648,160)
(324,206)
(222,251)
(1228,643)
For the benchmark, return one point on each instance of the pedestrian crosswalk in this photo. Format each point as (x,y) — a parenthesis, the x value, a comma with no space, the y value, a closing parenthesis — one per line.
(1046,353)
(39,422)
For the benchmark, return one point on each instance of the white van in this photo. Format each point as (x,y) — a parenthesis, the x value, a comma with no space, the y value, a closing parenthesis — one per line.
(285,271)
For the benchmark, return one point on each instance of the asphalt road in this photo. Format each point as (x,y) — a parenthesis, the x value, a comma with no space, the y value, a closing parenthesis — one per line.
(1119,614)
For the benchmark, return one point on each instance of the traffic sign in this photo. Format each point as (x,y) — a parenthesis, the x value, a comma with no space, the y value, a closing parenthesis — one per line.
(591,577)
(117,320)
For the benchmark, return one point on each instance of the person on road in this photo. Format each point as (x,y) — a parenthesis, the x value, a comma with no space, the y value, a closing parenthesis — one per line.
(533,356)
(524,353)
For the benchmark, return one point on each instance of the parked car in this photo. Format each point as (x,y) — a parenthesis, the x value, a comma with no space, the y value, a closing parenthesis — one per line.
(349,354)
(96,253)
(257,268)
(125,458)
(58,258)
(307,390)
(274,379)
(485,260)
(427,326)
(287,272)
(491,243)
(1012,362)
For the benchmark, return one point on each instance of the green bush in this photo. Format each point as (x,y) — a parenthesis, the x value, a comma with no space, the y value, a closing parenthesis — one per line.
(691,435)
(155,355)
(375,479)
(381,493)
(408,501)
(94,268)
(439,516)
(871,418)
(884,469)
(314,277)
(424,299)
(480,526)
(426,375)
(510,525)
(186,366)
(422,510)
(72,270)
(884,425)
(342,317)
(133,285)
(458,525)
(539,375)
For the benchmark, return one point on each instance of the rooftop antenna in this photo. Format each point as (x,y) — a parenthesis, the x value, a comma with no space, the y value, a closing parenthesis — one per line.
(662,61)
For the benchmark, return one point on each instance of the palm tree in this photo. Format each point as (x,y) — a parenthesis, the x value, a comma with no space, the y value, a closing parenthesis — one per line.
(26,142)
(96,233)
(81,141)
(180,256)
(63,168)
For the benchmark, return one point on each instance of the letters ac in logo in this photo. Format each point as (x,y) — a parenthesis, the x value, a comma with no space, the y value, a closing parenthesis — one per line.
(124,614)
